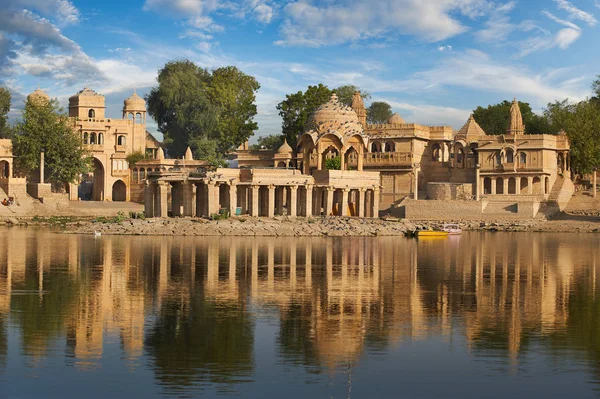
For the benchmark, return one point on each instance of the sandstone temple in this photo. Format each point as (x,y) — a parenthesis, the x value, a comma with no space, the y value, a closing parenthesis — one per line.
(399,168)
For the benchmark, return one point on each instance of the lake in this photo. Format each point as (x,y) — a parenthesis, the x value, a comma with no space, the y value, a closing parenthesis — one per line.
(479,315)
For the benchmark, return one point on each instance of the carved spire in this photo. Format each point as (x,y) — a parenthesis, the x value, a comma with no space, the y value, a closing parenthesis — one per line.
(160,154)
(358,106)
(516,126)
(188,154)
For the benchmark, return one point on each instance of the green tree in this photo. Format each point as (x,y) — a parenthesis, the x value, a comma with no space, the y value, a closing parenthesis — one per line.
(181,106)
(379,112)
(581,122)
(334,163)
(270,142)
(136,157)
(346,92)
(233,94)
(4,108)
(45,128)
(297,107)
(495,119)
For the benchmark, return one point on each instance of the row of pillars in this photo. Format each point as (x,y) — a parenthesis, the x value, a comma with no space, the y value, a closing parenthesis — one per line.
(204,199)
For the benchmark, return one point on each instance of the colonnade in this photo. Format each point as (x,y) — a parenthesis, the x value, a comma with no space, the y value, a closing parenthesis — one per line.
(524,185)
(205,198)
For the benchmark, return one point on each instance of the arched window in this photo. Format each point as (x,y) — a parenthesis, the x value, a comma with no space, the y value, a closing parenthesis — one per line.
(510,157)
(436,153)
(86,139)
(460,158)
(100,138)
(135,175)
(121,140)
(523,158)
(93,138)
(376,146)
(91,113)
(389,146)
(138,117)
(498,158)
(142,174)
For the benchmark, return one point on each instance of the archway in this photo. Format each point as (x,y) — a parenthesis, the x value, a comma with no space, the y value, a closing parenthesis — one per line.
(4,169)
(537,185)
(524,185)
(512,185)
(487,185)
(91,113)
(436,153)
(91,187)
(351,159)
(510,156)
(119,191)
(499,185)
(390,146)
(376,146)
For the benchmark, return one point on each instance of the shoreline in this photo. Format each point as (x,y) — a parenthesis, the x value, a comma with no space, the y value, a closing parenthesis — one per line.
(283,226)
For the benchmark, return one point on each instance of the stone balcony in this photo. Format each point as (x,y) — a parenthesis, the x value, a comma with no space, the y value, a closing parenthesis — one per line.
(381,159)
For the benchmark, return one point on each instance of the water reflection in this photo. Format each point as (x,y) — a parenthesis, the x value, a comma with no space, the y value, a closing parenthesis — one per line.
(193,310)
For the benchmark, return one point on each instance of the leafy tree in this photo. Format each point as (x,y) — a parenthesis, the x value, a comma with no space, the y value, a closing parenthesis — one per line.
(495,119)
(270,142)
(334,163)
(207,149)
(46,128)
(346,92)
(297,107)
(4,108)
(581,122)
(233,94)
(136,157)
(379,112)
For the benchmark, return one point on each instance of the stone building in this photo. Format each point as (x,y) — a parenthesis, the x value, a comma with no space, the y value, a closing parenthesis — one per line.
(267,190)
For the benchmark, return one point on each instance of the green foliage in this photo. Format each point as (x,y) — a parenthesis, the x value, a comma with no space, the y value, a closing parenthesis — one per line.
(4,108)
(222,215)
(334,163)
(136,157)
(46,128)
(346,92)
(379,112)
(53,220)
(112,219)
(495,119)
(137,215)
(581,122)
(211,112)
(270,142)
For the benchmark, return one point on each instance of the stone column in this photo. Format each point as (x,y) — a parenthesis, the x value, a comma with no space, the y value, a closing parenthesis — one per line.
(319,161)
(505,188)
(376,202)
(328,207)
(293,205)
(594,185)
(271,204)
(213,198)
(41,167)
(530,185)
(361,159)
(493,184)
(254,200)
(344,205)
(149,190)
(416,183)
(161,197)
(361,203)
(477,183)
(188,199)
(232,199)
(309,198)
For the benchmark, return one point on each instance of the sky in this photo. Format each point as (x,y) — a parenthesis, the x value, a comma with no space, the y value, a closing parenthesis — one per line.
(433,61)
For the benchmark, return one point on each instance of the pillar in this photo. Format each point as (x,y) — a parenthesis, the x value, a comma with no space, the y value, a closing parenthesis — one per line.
(477,183)
(309,198)
(416,183)
(361,159)
(189,205)
(328,206)
(213,198)
(271,204)
(361,203)
(530,185)
(344,211)
(505,183)
(254,200)
(594,185)
(293,204)
(232,199)
(318,200)
(493,181)
(161,200)
(376,202)
(149,190)
(42,168)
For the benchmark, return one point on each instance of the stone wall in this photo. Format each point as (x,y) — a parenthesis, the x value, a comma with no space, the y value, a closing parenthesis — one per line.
(449,191)
(442,210)
(136,193)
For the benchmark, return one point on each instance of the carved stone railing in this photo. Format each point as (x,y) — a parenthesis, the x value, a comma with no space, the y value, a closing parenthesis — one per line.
(388,159)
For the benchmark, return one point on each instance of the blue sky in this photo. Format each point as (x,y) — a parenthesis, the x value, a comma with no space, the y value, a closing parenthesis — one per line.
(432,60)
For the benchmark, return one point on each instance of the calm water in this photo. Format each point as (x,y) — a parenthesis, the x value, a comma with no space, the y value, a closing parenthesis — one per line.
(481,315)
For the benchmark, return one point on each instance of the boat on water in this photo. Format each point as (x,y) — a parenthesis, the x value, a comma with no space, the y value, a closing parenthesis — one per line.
(428,232)
(452,229)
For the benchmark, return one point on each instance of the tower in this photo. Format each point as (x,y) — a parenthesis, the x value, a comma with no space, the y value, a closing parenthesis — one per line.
(87,104)
(134,108)
(359,107)
(516,126)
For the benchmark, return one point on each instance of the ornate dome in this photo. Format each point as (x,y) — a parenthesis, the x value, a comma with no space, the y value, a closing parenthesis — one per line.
(334,117)
(38,97)
(134,103)
(285,148)
(395,120)
(84,93)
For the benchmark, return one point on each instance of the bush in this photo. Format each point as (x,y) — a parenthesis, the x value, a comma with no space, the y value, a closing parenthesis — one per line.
(137,215)
(333,163)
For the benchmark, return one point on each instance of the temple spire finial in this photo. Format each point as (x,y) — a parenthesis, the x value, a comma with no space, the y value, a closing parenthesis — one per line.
(516,126)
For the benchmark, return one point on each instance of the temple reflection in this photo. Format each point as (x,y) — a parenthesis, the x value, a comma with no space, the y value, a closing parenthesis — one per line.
(191,304)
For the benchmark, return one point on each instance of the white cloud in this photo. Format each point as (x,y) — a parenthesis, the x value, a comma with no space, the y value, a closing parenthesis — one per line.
(562,39)
(339,21)
(566,36)
(427,114)
(445,48)
(576,13)
(182,7)
(498,26)
(561,21)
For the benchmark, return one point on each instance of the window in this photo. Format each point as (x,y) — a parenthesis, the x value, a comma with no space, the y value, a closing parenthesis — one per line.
(510,158)
(93,138)
(523,158)
(100,138)
(121,140)
(91,113)
(85,138)
(498,158)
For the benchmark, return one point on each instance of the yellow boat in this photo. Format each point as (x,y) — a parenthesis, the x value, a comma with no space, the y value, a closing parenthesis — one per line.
(431,233)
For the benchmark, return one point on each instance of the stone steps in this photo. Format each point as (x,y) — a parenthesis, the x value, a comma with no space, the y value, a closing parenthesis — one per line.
(500,208)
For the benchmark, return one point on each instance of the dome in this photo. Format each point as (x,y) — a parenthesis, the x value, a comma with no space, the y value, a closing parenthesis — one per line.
(134,103)
(87,98)
(84,93)
(395,120)
(285,148)
(38,97)
(334,117)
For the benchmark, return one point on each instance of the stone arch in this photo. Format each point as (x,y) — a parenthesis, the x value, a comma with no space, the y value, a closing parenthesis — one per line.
(487,185)
(119,191)
(4,170)
(499,185)
(93,138)
(376,146)
(138,117)
(91,113)
(143,174)
(522,159)
(135,175)
(121,140)
(281,164)
(524,186)
(512,185)
(537,185)
(86,138)
(436,153)
(390,146)
(100,138)
(351,159)
(91,187)
(509,155)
